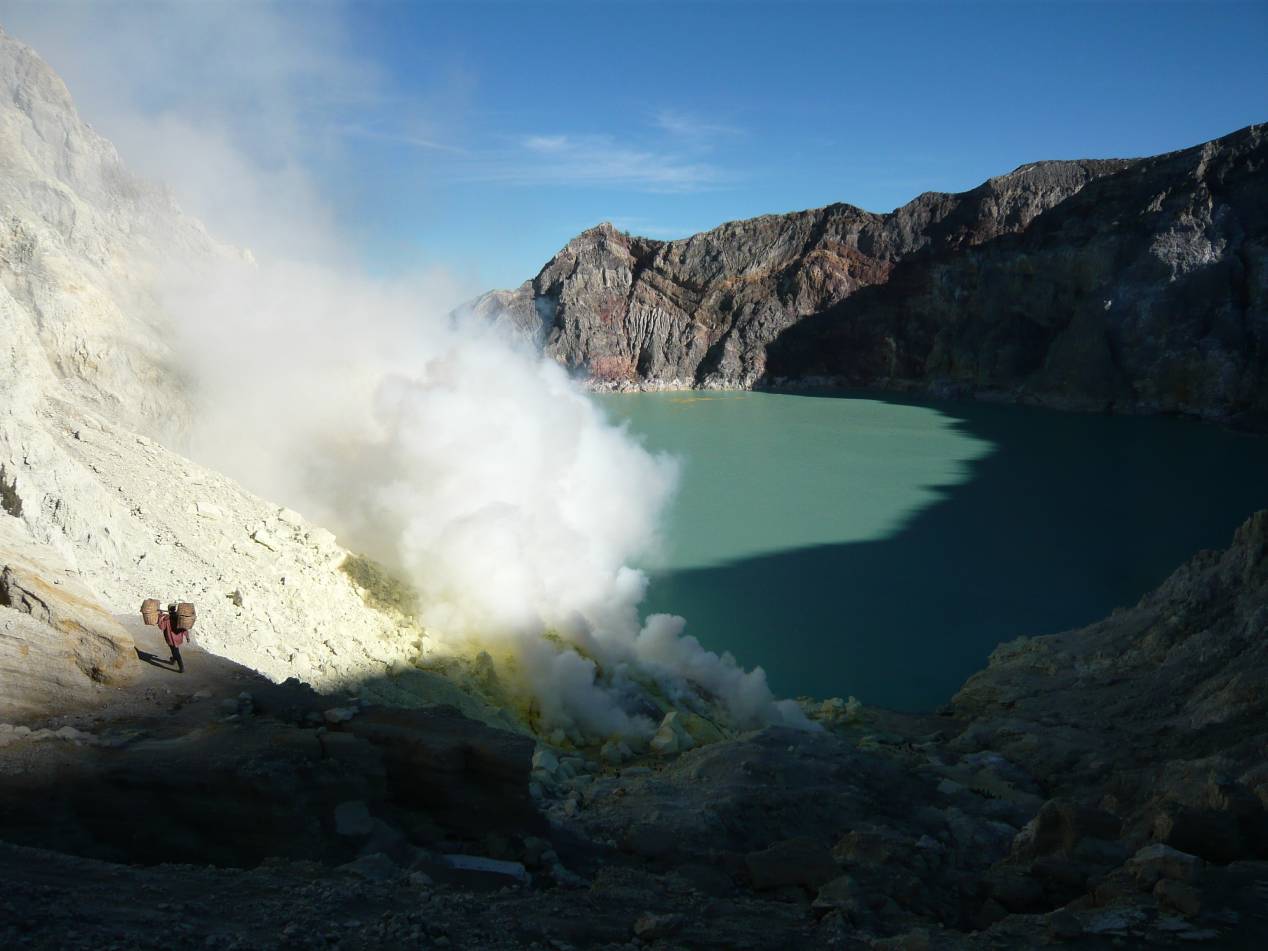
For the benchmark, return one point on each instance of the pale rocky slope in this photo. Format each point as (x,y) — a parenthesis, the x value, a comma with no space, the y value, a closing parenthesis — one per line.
(91,395)
(1131,285)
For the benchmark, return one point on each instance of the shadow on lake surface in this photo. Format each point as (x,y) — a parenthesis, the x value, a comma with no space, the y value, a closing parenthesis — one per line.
(1066,518)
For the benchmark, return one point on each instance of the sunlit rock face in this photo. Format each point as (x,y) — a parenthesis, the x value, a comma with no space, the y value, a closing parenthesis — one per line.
(1134,285)
(81,241)
(58,645)
(88,375)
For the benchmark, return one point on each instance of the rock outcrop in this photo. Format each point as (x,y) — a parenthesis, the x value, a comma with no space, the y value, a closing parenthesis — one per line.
(1132,285)
(58,645)
(269,779)
(463,774)
(1171,694)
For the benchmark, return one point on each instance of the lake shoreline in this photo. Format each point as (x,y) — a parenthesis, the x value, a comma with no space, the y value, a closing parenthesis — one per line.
(1247,422)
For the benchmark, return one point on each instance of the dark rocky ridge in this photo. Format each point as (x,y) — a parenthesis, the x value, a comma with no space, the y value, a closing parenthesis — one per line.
(1134,285)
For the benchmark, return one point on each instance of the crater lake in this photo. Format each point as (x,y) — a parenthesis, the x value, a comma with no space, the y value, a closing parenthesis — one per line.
(882,547)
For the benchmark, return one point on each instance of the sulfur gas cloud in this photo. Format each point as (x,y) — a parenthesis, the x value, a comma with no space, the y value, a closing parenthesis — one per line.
(474,468)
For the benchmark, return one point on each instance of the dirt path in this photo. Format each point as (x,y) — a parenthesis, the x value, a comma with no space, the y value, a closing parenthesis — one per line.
(162,701)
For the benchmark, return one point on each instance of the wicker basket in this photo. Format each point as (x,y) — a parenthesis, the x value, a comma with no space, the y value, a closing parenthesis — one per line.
(185,616)
(150,610)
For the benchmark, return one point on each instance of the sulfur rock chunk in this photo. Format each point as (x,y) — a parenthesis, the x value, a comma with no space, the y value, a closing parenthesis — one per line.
(262,536)
(672,737)
(208,510)
(615,752)
(545,760)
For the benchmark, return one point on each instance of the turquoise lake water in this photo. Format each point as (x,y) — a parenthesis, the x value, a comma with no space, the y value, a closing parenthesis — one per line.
(881,547)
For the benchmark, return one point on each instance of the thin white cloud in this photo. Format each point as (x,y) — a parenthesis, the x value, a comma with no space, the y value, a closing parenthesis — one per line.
(549,144)
(693,128)
(594,160)
(403,138)
(671,156)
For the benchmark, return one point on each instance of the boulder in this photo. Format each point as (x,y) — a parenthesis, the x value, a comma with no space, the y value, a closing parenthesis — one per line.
(1160,861)
(353,819)
(1014,889)
(672,736)
(1064,926)
(224,796)
(615,752)
(649,840)
(1179,896)
(653,927)
(545,759)
(488,866)
(840,894)
(871,845)
(469,777)
(1212,835)
(373,868)
(700,729)
(801,861)
(1065,828)
(1114,887)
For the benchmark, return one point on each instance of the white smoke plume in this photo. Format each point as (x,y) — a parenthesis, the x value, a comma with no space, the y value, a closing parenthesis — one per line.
(477,470)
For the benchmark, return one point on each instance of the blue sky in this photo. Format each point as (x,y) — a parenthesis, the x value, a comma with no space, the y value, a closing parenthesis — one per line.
(481,136)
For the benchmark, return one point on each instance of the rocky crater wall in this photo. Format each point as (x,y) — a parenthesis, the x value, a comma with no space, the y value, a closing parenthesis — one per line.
(1126,285)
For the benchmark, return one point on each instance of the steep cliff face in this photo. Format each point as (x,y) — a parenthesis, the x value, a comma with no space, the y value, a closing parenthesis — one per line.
(701,311)
(1145,291)
(1128,284)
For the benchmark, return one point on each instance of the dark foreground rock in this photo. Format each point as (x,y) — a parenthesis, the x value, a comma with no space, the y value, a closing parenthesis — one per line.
(1101,788)
(1128,285)
(1161,708)
(234,792)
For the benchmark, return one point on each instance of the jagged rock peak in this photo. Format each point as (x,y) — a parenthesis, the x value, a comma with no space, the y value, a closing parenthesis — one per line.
(44,137)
